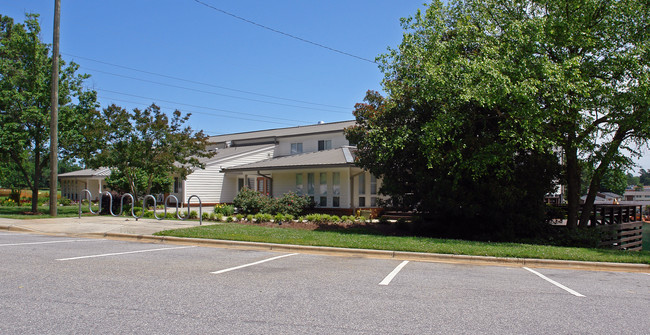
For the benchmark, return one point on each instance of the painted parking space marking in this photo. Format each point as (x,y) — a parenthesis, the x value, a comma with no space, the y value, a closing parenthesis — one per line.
(48,242)
(394,273)
(555,283)
(123,253)
(252,264)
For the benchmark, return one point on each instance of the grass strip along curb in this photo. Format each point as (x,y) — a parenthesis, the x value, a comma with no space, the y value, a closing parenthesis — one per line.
(359,239)
(387,254)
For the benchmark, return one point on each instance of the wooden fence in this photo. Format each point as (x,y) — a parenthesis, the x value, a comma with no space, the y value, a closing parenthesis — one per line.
(624,224)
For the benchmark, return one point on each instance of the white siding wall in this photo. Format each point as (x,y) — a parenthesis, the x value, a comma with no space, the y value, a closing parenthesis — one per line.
(209,184)
(285,181)
(309,143)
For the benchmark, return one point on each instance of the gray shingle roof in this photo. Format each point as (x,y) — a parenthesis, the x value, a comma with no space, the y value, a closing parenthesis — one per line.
(284,132)
(101,172)
(339,157)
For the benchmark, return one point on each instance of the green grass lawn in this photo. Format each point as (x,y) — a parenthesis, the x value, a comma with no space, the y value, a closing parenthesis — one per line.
(16,212)
(362,239)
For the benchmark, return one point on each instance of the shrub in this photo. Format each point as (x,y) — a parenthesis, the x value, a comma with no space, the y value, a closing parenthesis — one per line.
(66,202)
(239,217)
(292,203)
(205,216)
(252,202)
(9,203)
(249,201)
(194,215)
(249,217)
(223,209)
(288,217)
(228,218)
(278,218)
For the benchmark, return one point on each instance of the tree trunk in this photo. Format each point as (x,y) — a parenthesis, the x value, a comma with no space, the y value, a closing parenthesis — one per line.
(573,186)
(598,174)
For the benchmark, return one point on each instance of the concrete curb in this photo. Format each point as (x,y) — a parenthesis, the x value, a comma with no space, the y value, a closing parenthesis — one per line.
(386,254)
(16,228)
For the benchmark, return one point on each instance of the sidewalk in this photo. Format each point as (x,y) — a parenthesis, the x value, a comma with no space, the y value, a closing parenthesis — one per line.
(122,228)
(94,225)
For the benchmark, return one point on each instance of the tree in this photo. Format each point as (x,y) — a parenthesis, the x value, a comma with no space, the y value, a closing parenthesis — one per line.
(465,180)
(119,182)
(644,177)
(25,76)
(145,145)
(567,74)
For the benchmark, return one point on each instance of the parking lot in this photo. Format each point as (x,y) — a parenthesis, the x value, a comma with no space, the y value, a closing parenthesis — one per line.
(56,285)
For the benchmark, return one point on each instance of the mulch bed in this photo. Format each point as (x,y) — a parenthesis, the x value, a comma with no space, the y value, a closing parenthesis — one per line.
(374,227)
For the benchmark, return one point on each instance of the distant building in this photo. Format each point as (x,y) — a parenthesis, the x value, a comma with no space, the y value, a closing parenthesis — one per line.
(642,195)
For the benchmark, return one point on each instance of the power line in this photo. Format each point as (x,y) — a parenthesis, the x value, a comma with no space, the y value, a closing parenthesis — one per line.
(283,33)
(212,93)
(205,84)
(293,122)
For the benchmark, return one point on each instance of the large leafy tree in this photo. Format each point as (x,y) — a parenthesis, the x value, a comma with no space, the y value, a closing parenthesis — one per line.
(145,145)
(25,75)
(565,74)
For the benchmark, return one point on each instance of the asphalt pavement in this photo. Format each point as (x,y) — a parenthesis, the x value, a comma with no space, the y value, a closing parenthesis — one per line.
(121,228)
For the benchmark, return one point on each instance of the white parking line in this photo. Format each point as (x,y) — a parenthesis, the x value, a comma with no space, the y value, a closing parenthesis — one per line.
(392,275)
(251,264)
(122,253)
(555,283)
(48,242)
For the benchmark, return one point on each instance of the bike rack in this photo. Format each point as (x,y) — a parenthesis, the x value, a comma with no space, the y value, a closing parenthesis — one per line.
(88,195)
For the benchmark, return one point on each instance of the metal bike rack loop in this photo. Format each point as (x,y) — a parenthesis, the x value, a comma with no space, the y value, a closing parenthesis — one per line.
(88,195)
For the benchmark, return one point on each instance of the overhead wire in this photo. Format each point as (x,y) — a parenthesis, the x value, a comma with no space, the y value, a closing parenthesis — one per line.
(205,113)
(202,83)
(211,93)
(283,33)
(292,121)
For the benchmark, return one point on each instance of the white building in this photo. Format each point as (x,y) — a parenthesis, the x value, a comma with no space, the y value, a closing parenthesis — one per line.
(315,160)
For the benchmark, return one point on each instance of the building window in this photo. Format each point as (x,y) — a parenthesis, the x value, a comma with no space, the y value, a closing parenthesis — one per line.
(299,183)
(310,183)
(373,185)
(362,183)
(323,202)
(324,145)
(336,201)
(323,183)
(296,148)
(362,201)
(240,184)
(336,183)
(373,201)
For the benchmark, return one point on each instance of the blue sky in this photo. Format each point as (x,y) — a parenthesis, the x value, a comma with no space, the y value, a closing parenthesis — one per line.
(233,76)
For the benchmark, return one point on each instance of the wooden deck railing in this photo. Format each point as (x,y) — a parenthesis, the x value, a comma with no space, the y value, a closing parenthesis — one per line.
(624,224)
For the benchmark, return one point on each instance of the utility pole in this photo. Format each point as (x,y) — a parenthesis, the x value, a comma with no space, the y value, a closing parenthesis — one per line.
(54,115)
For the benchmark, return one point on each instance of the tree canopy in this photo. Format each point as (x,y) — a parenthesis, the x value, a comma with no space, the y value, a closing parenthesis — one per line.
(475,85)
(145,144)
(25,76)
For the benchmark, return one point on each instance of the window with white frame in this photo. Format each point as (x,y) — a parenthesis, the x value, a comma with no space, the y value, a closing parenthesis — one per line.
(324,145)
(296,148)
(310,184)
(323,189)
(299,183)
(362,183)
(336,189)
